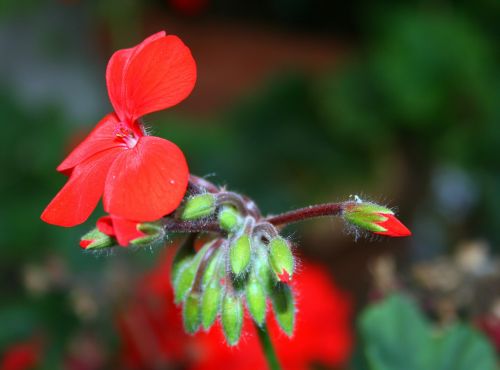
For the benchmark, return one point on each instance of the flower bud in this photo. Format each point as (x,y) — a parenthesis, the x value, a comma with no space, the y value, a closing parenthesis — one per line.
(185,276)
(284,307)
(281,259)
(210,303)
(198,206)
(191,313)
(374,218)
(95,239)
(239,254)
(256,299)
(232,318)
(262,269)
(229,218)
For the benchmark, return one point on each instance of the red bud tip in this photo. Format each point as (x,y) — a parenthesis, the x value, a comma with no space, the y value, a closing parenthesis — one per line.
(284,277)
(85,243)
(393,227)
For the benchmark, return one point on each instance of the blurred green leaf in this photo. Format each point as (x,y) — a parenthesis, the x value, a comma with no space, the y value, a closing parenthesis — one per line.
(395,335)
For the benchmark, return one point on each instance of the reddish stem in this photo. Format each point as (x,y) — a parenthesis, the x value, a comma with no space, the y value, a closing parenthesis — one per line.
(301,214)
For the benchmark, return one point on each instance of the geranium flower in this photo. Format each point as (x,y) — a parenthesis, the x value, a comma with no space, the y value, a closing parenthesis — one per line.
(121,229)
(140,177)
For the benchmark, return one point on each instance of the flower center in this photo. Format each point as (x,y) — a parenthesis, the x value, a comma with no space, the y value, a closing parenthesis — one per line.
(125,134)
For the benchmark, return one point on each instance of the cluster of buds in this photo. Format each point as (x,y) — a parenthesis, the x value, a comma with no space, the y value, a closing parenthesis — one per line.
(246,262)
(231,256)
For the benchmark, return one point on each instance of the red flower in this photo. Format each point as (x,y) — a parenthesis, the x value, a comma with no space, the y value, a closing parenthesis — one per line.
(21,356)
(152,333)
(140,177)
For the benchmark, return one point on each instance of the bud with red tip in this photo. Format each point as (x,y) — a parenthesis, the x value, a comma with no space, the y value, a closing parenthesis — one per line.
(374,218)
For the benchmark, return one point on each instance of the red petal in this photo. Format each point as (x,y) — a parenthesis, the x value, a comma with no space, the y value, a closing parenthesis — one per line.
(115,74)
(393,226)
(146,182)
(157,74)
(105,225)
(78,198)
(125,230)
(101,138)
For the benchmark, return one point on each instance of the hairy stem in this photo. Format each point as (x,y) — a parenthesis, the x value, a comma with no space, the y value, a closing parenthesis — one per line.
(267,347)
(301,214)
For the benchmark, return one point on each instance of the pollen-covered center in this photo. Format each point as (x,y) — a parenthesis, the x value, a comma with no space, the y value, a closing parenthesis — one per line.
(126,135)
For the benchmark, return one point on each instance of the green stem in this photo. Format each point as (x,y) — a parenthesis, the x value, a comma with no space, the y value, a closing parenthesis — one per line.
(268,348)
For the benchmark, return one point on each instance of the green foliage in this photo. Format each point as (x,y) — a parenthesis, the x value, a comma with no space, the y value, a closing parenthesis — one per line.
(394,334)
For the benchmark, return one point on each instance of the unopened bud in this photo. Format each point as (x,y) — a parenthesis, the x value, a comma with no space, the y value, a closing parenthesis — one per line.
(239,254)
(374,218)
(281,259)
(186,274)
(232,318)
(229,218)
(95,239)
(198,206)
(191,313)
(153,231)
(210,303)
(284,307)
(256,300)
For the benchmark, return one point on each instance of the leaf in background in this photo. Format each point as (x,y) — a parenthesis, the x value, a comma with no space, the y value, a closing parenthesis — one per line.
(396,335)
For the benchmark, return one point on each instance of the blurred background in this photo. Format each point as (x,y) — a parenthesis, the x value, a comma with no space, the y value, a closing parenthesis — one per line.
(297,102)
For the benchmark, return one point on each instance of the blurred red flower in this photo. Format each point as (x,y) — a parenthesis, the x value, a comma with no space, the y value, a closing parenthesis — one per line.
(140,177)
(152,333)
(21,356)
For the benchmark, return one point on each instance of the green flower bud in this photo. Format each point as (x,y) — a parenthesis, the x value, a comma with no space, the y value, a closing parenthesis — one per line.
(266,277)
(281,259)
(374,218)
(95,239)
(229,218)
(183,256)
(256,300)
(232,318)
(198,206)
(185,276)
(239,254)
(150,228)
(191,313)
(144,240)
(210,303)
(211,271)
(284,307)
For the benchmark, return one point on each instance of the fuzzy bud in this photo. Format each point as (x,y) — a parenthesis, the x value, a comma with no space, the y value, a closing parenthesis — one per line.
(210,303)
(374,218)
(256,300)
(191,313)
(95,239)
(232,318)
(239,254)
(229,218)
(281,259)
(284,307)
(198,206)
